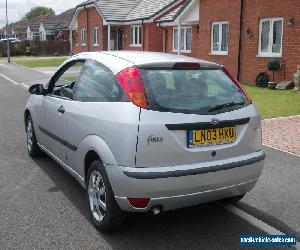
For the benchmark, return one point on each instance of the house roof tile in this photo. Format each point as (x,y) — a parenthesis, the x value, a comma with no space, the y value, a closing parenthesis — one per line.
(148,8)
(124,10)
(116,10)
(171,15)
(56,22)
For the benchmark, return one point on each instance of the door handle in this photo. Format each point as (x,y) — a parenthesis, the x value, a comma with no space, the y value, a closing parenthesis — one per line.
(61,109)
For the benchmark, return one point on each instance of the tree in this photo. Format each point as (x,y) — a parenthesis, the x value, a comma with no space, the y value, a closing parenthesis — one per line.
(38,11)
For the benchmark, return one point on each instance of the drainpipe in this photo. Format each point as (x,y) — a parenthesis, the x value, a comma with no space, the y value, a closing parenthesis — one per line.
(240,40)
(164,37)
(179,37)
(87,29)
(143,35)
(108,36)
(71,41)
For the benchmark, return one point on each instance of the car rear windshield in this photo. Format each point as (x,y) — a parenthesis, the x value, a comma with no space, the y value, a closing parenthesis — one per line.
(200,91)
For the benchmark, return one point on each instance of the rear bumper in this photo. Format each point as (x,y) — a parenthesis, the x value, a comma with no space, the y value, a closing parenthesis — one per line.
(180,186)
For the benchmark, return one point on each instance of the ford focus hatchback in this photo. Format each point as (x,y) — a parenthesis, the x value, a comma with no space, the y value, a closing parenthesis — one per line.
(145,131)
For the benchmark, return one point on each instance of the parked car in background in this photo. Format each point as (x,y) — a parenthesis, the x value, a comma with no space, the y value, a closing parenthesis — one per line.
(146,131)
(11,40)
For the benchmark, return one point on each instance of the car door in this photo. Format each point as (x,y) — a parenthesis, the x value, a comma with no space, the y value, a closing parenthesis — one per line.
(55,109)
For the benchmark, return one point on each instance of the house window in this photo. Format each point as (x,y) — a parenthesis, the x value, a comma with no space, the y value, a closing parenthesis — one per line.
(83,36)
(219,38)
(185,39)
(95,36)
(270,37)
(136,35)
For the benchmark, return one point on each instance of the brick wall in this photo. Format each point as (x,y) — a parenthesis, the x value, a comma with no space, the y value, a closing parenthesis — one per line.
(88,19)
(253,11)
(151,35)
(153,38)
(214,11)
(126,39)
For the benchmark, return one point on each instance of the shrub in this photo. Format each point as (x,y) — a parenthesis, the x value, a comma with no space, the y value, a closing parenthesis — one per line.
(274,65)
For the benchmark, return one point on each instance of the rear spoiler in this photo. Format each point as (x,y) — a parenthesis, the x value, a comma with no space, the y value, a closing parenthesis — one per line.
(180,66)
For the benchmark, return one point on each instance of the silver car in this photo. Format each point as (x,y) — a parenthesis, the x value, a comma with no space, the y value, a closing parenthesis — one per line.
(144,131)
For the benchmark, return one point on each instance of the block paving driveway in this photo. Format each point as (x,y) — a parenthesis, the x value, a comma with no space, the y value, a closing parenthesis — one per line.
(282,133)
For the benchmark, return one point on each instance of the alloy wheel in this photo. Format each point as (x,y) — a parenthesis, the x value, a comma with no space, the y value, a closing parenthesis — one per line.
(29,135)
(97,196)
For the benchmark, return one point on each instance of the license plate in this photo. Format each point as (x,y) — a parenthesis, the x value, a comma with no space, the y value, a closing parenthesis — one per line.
(217,136)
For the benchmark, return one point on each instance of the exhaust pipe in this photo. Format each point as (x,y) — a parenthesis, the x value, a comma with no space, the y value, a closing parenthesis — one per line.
(156,210)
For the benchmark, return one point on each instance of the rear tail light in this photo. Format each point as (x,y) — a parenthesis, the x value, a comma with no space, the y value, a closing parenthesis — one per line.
(139,202)
(236,82)
(131,83)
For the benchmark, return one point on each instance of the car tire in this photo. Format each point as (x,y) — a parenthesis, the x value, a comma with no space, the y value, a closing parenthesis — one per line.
(233,199)
(103,209)
(32,145)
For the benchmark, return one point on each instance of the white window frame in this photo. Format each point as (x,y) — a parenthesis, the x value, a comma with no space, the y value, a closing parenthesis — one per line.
(133,29)
(183,30)
(95,36)
(270,53)
(83,37)
(219,52)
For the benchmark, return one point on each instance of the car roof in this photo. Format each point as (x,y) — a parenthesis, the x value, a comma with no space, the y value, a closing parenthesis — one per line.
(143,57)
(119,60)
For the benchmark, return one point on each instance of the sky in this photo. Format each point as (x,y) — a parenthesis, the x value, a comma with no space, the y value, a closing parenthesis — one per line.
(18,8)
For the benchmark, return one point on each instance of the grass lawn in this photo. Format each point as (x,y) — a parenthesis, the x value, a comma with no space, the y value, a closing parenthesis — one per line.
(275,103)
(36,62)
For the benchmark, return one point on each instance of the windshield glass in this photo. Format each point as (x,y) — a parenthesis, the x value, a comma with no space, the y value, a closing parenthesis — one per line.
(204,91)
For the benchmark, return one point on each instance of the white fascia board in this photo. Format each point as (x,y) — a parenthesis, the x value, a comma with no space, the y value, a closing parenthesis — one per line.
(42,28)
(170,24)
(187,10)
(112,23)
(74,22)
(138,22)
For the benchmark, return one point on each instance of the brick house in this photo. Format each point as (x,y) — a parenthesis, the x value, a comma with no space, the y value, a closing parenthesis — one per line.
(243,35)
(280,22)
(15,30)
(50,27)
(47,27)
(118,25)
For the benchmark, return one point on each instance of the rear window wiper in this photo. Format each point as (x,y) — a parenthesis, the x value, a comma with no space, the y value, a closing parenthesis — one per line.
(225,105)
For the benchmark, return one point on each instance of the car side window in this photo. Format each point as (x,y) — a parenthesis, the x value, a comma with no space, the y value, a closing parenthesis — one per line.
(65,80)
(97,84)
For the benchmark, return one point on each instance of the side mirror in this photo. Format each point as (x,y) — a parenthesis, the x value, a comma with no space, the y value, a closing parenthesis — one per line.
(37,89)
